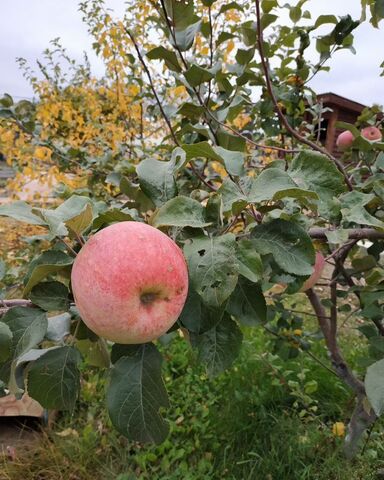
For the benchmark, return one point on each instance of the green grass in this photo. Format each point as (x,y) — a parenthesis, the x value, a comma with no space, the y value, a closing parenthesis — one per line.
(266,419)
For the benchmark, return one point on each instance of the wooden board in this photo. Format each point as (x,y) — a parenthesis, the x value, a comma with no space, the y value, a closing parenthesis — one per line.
(25,407)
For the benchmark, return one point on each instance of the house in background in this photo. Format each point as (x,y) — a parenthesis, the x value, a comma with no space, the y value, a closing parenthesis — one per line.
(342,110)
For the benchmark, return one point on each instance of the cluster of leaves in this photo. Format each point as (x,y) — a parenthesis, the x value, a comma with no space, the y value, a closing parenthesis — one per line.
(244,224)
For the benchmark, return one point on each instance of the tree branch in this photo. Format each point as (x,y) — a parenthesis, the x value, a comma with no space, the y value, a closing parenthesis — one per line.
(338,362)
(355,233)
(292,131)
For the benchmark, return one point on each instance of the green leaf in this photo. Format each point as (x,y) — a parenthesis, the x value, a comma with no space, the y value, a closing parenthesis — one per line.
(244,56)
(75,214)
(196,75)
(275,184)
(28,327)
(314,171)
(190,110)
(247,303)
(231,142)
(54,378)
(135,394)
(157,180)
(119,350)
(230,6)
(59,326)
(374,386)
(112,216)
(219,347)
(51,261)
(180,212)
(6,101)
(213,267)
(181,13)
(21,211)
(50,296)
(268,5)
(361,216)
(295,14)
(250,264)
(201,149)
(185,38)
(169,57)
(95,354)
(233,199)
(5,342)
(377,11)
(233,161)
(267,19)
(322,19)
(196,316)
(289,245)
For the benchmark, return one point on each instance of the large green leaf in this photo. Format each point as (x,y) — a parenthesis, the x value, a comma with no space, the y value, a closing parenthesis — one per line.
(169,57)
(196,316)
(28,327)
(72,216)
(233,161)
(181,14)
(136,392)
(274,184)
(250,264)
(374,386)
(213,267)
(197,75)
(219,347)
(180,212)
(50,296)
(247,303)
(185,38)
(21,211)
(51,261)
(157,180)
(289,244)
(232,197)
(59,327)
(316,172)
(5,342)
(112,216)
(54,378)
(201,149)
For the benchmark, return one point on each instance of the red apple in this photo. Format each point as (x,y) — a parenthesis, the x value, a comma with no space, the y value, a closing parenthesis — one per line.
(130,282)
(372,134)
(318,270)
(345,140)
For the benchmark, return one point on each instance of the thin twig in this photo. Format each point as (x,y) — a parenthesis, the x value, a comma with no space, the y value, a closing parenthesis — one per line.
(149,76)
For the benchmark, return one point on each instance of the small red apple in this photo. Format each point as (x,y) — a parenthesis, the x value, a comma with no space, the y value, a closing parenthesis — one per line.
(130,283)
(372,134)
(318,270)
(345,140)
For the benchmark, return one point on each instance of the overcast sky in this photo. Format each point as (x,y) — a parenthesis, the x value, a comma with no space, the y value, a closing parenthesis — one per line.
(28,25)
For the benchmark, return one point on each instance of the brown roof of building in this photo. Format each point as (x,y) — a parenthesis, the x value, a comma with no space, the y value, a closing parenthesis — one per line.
(342,102)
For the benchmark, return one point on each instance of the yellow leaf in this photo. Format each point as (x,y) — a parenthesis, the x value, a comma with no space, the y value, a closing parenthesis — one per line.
(338,429)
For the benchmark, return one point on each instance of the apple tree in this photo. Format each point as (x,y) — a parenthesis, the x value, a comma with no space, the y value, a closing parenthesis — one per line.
(223,156)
